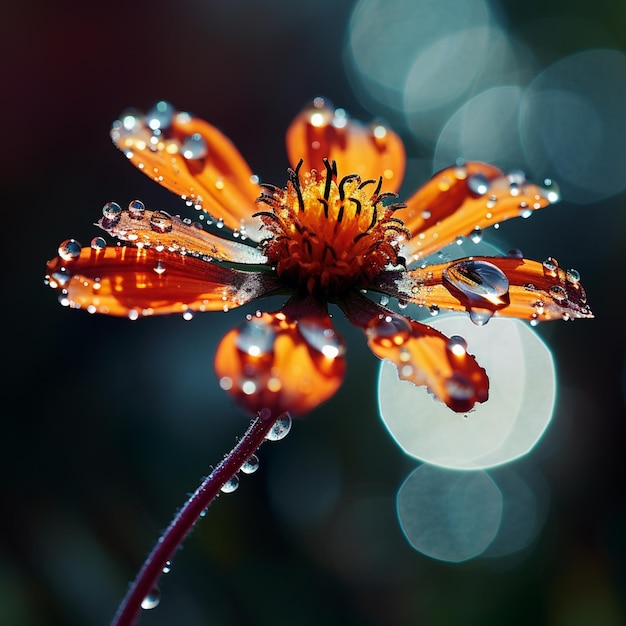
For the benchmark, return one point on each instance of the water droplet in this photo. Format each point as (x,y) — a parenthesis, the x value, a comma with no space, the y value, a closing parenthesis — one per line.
(434,310)
(476,235)
(112,213)
(136,209)
(457,345)
(280,429)
(256,337)
(152,599)
(98,243)
(159,268)
(194,147)
(551,190)
(550,266)
(160,115)
(69,249)
(478,184)
(389,330)
(230,485)
(480,317)
(572,276)
(558,293)
(524,210)
(384,300)
(515,253)
(480,282)
(322,338)
(251,465)
(460,388)
(161,222)
(167,568)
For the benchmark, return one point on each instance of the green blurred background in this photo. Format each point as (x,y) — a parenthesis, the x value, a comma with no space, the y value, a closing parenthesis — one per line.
(108,424)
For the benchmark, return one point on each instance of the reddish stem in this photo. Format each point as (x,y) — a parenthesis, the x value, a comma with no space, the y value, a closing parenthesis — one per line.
(187,516)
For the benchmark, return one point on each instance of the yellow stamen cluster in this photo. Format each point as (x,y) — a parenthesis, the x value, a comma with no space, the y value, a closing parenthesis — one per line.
(330,236)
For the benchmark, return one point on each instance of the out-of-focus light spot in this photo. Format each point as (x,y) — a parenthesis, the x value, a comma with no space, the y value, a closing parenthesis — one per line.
(507,426)
(524,509)
(573,124)
(386,37)
(484,129)
(448,515)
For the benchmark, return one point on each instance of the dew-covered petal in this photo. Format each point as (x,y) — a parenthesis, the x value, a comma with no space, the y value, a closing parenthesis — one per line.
(522,394)
(486,286)
(421,354)
(135,282)
(191,158)
(142,227)
(281,362)
(463,199)
(322,132)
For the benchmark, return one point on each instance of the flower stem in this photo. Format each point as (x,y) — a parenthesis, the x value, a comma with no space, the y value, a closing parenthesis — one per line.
(168,543)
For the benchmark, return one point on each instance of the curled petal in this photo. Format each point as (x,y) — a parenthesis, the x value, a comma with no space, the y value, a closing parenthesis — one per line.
(322,132)
(422,354)
(484,286)
(460,200)
(146,228)
(191,158)
(277,362)
(133,282)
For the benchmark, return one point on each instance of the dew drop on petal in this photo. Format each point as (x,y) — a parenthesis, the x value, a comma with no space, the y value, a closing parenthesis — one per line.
(112,213)
(389,330)
(256,337)
(482,284)
(478,184)
(322,339)
(98,243)
(280,429)
(136,209)
(69,249)
(476,235)
(194,147)
(152,600)
(160,115)
(161,222)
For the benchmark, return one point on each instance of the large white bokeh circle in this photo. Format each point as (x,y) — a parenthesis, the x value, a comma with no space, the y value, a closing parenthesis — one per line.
(522,392)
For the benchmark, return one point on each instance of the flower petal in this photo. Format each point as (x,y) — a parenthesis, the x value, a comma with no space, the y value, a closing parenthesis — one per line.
(191,158)
(322,132)
(484,286)
(133,282)
(422,354)
(464,199)
(142,227)
(281,363)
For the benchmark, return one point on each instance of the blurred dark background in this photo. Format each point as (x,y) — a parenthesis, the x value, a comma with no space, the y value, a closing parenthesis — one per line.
(108,424)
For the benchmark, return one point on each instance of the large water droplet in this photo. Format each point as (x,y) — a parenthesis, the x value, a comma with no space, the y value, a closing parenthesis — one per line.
(69,249)
(98,243)
(478,184)
(480,282)
(230,485)
(136,209)
(160,115)
(256,337)
(112,213)
(251,465)
(152,599)
(194,147)
(280,429)
(161,222)
(322,338)
(389,330)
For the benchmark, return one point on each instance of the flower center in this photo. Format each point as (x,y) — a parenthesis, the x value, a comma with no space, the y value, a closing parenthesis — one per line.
(329,237)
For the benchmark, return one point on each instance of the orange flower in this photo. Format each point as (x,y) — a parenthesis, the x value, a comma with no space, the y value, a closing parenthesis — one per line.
(333,233)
